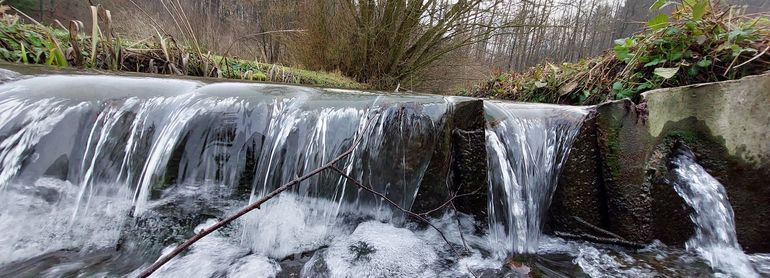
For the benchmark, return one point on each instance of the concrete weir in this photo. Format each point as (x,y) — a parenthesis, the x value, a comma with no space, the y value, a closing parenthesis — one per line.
(617,177)
(130,165)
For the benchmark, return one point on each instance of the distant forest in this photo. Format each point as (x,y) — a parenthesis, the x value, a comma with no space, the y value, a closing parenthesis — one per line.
(428,45)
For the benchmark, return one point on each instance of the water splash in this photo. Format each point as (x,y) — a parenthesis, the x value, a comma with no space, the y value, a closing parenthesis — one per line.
(715,238)
(527,145)
(142,161)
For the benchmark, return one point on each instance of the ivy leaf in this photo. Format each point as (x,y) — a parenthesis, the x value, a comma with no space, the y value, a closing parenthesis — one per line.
(736,34)
(658,22)
(655,62)
(645,86)
(666,73)
(584,95)
(704,63)
(621,91)
(623,48)
(676,56)
(617,86)
(699,9)
(693,71)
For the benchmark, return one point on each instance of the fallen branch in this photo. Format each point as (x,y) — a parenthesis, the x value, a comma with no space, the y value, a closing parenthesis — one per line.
(460,230)
(397,206)
(597,229)
(592,238)
(256,205)
(449,202)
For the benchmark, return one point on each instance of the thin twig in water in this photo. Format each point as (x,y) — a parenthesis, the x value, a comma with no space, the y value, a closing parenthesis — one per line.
(597,229)
(256,205)
(397,206)
(449,202)
(460,229)
(591,238)
(328,166)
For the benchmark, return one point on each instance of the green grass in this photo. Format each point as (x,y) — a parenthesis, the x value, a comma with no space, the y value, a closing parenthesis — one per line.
(253,70)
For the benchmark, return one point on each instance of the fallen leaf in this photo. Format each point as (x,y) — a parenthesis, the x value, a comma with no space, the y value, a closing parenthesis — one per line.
(567,88)
(666,73)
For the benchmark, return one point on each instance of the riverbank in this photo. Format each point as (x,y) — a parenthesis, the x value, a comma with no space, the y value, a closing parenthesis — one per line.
(696,44)
(103,49)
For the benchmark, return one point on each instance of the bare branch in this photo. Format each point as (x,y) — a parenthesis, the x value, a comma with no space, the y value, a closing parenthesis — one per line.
(397,206)
(256,205)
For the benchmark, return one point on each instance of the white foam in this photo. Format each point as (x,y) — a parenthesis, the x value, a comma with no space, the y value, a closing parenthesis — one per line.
(217,255)
(254,266)
(761,263)
(32,226)
(715,239)
(598,261)
(289,225)
(397,252)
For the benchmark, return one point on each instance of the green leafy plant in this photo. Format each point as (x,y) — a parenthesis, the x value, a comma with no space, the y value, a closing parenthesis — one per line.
(696,43)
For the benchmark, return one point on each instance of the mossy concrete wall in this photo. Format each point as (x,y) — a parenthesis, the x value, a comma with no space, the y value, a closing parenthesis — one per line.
(736,111)
(727,125)
(459,164)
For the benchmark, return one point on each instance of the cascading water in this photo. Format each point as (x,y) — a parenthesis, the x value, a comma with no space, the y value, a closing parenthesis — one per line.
(527,145)
(91,163)
(715,239)
(100,175)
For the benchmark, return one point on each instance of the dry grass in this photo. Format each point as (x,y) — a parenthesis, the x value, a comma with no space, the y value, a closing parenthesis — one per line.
(160,53)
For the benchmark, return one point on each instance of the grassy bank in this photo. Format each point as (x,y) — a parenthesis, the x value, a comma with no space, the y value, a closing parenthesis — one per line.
(23,40)
(698,43)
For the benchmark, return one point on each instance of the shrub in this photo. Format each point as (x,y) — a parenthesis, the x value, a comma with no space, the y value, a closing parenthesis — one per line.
(697,43)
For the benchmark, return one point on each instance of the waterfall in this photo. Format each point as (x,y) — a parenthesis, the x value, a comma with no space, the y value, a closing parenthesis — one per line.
(715,239)
(527,146)
(88,162)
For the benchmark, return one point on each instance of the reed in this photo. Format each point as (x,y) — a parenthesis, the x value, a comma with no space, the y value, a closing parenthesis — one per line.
(160,53)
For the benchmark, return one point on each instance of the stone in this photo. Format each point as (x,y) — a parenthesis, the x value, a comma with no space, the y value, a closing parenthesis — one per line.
(469,158)
(579,192)
(458,163)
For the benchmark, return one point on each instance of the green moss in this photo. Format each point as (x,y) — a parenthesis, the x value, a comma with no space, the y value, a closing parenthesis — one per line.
(613,159)
(681,135)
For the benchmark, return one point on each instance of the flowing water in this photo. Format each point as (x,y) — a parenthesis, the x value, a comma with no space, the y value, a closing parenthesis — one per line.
(98,162)
(101,175)
(527,146)
(715,239)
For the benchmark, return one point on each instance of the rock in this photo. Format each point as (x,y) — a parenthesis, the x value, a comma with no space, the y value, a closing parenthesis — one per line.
(727,125)
(469,158)
(603,181)
(624,147)
(458,160)
(579,192)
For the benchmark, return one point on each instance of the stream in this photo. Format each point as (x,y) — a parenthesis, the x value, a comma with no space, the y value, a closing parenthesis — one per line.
(102,175)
